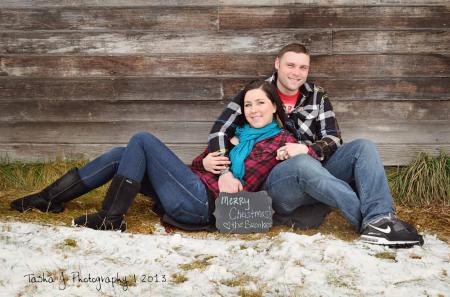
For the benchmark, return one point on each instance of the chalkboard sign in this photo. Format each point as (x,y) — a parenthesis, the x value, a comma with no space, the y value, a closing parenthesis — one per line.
(243,212)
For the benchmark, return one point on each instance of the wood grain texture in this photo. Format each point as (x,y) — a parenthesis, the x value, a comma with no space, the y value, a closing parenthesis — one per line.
(410,132)
(222,65)
(109,3)
(391,154)
(165,42)
(369,17)
(175,65)
(110,18)
(381,42)
(135,89)
(104,111)
(332,3)
(203,89)
(370,89)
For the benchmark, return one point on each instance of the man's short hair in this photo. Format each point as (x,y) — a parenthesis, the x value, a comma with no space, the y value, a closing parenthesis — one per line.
(293,47)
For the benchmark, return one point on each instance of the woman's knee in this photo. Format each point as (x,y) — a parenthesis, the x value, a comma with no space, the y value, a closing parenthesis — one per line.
(142,136)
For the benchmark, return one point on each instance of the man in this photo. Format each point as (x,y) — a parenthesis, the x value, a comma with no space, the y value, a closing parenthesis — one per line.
(321,168)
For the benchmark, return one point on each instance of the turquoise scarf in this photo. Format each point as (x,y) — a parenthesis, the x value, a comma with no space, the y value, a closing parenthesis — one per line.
(247,138)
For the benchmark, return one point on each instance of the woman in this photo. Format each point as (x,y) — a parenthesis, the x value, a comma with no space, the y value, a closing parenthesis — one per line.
(148,166)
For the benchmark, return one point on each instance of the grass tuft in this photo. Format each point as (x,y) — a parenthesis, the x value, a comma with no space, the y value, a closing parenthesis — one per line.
(424,182)
(250,293)
(200,264)
(179,278)
(385,255)
(238,281)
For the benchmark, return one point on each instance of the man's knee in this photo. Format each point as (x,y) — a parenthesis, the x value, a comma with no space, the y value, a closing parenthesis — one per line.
(364,147)
(305,165)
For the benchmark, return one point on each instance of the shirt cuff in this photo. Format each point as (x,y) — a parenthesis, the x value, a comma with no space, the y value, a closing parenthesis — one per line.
(312,153)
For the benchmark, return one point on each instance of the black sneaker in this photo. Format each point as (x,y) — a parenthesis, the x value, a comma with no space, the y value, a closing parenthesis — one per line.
(391,232)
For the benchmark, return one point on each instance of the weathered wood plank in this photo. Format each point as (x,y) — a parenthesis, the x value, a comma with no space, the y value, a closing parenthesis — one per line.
(388,89)
(47,152)
(186,89)
(411,132)
(391,154)
(105,111)
(200,89)
(374,17)
(376,65)
(166,42)
(220,65)
(331,2)
(145,3)
(110,18)
(109,3)
(188,65)
(370,89)
(406,41)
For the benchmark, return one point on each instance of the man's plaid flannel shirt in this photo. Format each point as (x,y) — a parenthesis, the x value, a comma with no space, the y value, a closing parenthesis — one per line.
(312,121)
(257,165)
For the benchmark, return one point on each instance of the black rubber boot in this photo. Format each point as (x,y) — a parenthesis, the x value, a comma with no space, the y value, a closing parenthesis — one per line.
(118,199)
(95,220)
(52,198)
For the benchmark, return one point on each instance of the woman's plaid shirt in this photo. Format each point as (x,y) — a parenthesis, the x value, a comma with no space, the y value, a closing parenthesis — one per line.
(312,121)
(257,165)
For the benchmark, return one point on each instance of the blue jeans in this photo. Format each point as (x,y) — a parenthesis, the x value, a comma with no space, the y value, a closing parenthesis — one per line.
(162,174)
(302,180)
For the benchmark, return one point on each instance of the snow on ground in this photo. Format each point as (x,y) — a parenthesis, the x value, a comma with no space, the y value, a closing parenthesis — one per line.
(39,260)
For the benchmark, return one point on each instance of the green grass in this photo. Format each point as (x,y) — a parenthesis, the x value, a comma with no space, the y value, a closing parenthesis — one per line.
(424,182)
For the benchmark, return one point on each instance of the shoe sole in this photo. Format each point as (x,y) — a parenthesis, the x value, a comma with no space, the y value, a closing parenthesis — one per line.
(385,242)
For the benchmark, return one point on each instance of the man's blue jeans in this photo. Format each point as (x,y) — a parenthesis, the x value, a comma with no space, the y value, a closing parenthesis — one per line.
(302,180)
(162,174)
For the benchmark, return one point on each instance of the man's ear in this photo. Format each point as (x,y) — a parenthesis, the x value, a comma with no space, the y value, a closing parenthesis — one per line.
(277,63)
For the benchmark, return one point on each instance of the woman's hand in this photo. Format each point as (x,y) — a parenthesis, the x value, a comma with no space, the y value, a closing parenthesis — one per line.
(215,163)
(229,184)
(291,149)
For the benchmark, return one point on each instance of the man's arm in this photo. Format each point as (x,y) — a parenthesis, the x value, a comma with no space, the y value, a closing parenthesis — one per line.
(224,127)
(329,134)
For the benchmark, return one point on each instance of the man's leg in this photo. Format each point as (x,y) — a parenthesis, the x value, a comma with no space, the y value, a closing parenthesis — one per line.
(302,180)
(359,161)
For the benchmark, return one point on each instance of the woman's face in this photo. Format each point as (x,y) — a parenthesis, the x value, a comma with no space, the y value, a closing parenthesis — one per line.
(258,109)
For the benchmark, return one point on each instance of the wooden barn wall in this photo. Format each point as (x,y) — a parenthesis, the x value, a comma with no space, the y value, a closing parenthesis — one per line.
(78,77)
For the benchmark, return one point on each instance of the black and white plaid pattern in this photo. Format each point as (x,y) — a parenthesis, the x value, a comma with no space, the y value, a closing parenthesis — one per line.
(312,121)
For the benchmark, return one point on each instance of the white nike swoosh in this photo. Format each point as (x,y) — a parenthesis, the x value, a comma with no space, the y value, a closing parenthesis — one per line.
(387,230)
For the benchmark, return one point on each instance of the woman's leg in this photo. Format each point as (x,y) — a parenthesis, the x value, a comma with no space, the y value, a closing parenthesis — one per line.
(102,169)
(180,191)
(73,184)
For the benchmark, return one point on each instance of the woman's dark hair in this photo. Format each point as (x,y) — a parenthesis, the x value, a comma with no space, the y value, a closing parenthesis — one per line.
(269,90)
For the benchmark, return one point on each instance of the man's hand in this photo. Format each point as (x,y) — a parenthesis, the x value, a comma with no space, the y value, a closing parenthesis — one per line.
(291,149)
(229,184)
(215,163)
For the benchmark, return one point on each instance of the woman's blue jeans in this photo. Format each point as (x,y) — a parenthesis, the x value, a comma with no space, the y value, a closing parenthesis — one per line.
(162,174)
(302,180)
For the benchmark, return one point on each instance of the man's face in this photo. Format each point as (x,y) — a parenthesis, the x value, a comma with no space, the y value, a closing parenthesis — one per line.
(292,71)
